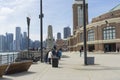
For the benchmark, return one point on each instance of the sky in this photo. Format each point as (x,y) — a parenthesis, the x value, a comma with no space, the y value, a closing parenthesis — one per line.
(57,13)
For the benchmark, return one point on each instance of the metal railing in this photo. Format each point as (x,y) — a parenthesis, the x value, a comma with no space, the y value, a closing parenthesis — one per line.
(20,56)
(7,58)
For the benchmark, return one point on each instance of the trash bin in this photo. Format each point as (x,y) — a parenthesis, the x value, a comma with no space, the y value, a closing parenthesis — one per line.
(55,62)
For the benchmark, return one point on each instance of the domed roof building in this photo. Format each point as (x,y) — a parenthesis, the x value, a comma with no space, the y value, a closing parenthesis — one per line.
(103,33)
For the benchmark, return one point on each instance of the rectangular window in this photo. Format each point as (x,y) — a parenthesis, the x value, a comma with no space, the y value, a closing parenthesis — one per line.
(90,35)
(109,33)
(80,16)
(81,37)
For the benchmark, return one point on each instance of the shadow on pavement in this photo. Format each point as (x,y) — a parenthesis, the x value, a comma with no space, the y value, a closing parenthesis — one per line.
(21,74)
(35,63)
(65,56)
(97,68)
(5,79)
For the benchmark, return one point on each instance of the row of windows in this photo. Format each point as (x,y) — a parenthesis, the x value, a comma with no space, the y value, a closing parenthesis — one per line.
(108,33)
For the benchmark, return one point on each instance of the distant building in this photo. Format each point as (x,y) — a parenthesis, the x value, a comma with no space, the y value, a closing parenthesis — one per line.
(36,44)
(18,38)
(24,34)
(50,40)
(9,41)
(44,44)
(58,36)
(67,32)
(24,41)
(62,44)
(2,43)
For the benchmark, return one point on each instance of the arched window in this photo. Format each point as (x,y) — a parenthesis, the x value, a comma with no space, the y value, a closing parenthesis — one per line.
(91,35)
(109,33)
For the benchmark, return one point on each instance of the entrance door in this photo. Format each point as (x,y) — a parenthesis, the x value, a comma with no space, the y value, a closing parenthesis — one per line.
(110,47)
(91,48)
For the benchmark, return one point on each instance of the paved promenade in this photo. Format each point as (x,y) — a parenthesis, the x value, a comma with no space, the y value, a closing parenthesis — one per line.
(71,67)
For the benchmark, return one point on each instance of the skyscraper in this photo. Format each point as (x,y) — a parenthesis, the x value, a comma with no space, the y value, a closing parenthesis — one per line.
(2,43)
(18,38)
(67,32)
(24,41)
(9,41)
(78,14)
(24,34)
(58,35)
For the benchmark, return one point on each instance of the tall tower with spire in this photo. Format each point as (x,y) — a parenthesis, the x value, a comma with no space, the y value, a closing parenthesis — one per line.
(50,40)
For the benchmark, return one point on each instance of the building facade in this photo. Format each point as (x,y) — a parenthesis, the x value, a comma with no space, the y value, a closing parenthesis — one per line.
(62,44)
(102,33)
(78,15)
(67,32)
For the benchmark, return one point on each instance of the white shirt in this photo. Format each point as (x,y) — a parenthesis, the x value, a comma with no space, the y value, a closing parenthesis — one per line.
(50,54)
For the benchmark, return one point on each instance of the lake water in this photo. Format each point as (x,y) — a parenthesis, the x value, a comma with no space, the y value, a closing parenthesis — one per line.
(7,57)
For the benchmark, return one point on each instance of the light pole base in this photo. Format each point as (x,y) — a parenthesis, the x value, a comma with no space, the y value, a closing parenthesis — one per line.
(90,60)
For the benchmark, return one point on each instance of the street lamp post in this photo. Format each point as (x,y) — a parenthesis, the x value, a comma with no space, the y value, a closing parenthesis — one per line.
(28,24)
(41,30)
(84,24)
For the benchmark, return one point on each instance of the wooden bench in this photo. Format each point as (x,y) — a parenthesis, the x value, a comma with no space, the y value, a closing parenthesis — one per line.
(3,69)
(18,67)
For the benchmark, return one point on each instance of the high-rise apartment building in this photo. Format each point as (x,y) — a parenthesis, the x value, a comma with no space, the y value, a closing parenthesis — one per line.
(58,36)
(2,43)
(24,34)
(24,41)
(9,41)
(67,32)
(18,38)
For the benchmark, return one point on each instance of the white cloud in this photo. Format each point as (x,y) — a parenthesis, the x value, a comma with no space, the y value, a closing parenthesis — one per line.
(14,3)
(2,18)
(5,11)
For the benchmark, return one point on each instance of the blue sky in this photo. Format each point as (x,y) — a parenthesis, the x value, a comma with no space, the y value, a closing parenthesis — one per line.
(57,13)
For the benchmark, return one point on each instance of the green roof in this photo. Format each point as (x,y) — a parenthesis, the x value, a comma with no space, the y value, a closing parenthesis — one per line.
(115,8)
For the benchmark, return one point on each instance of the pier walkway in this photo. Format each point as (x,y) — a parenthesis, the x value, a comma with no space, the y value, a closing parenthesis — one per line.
(71,67)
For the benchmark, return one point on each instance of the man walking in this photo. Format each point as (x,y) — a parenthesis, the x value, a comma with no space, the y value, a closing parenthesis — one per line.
(80,52)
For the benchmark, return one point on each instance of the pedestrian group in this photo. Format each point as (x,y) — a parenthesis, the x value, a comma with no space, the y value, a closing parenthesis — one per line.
(53,53)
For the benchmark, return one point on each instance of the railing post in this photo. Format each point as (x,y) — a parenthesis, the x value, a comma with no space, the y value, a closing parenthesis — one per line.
(0,59)
(13,57)
(7,58)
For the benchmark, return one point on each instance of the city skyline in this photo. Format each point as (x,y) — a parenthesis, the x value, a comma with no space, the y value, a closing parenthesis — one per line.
(9,44)
(13,13)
